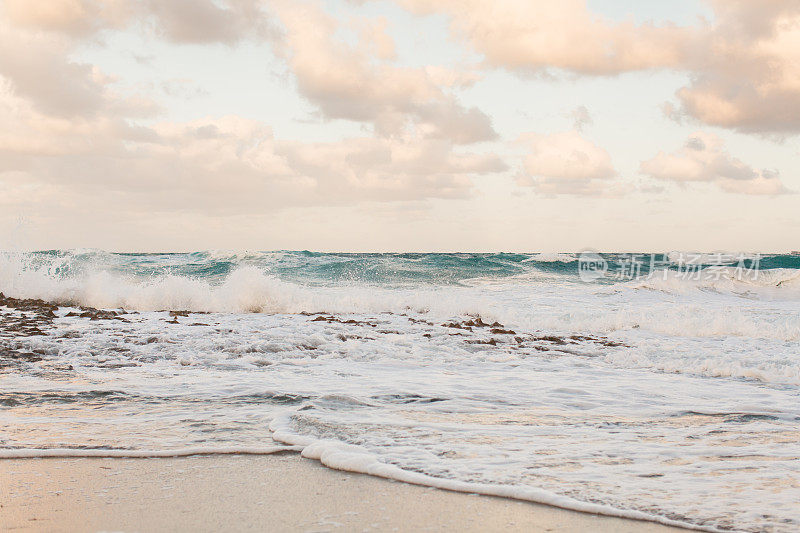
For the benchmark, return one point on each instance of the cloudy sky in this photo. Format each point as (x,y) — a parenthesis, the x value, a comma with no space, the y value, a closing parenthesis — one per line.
(428,125)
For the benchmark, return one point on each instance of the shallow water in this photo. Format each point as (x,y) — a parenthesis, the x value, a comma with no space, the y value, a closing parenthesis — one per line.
(666,393)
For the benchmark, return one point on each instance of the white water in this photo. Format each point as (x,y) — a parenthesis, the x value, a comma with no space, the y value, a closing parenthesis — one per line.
(683,407)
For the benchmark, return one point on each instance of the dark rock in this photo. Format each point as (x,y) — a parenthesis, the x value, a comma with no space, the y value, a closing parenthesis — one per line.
(457,325)
(549,338)
(490,342)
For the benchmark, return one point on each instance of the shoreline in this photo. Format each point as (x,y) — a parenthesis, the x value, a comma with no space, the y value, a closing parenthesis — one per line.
(279,492)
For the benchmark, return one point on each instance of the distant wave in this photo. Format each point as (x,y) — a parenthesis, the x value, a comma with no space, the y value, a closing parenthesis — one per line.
(293,282)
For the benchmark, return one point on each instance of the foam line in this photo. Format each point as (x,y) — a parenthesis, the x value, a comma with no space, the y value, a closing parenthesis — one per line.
(32,453)
(350,458)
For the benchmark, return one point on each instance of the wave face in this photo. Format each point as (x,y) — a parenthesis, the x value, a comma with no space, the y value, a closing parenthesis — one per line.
(666,388)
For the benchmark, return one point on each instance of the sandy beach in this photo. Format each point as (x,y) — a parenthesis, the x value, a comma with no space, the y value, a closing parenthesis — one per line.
(281,492)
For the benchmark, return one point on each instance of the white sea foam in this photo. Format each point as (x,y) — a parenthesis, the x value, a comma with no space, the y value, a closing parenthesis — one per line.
(779,283)
(351,458)
(658,398)
(424,405)
(552,258)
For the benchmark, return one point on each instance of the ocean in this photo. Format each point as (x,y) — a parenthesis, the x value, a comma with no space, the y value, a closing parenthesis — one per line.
(657,386)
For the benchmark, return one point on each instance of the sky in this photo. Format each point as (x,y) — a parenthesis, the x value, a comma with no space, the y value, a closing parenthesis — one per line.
(402,125)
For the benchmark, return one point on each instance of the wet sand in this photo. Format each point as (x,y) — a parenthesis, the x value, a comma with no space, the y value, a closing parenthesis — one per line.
(282,492)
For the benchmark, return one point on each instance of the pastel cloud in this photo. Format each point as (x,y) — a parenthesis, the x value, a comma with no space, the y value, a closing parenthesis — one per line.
(227,164)
(358,82)
(77,18)
(346,82)
(704,159)
(179,21)
(70,131)
(565,163)
(536,36)
(744,66)
(748,79)
(59,86)
(203,21)
(70,128)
